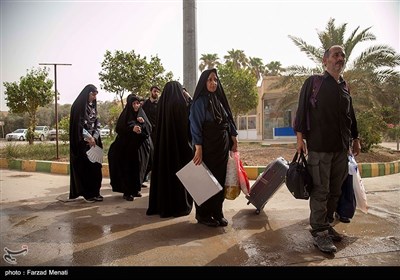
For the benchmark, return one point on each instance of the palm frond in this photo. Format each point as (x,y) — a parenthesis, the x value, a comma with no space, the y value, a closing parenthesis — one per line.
(378,56)
(312,52)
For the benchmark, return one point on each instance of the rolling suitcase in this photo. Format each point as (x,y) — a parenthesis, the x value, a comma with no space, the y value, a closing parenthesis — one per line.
(267,183)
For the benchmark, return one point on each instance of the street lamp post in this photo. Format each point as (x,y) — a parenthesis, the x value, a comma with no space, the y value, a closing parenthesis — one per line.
(55,99)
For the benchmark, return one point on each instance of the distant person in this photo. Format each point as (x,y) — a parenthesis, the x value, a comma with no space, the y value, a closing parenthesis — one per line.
(85,176)
(129,154)
(172,151)
(150,108)
(213,135)
(328,125)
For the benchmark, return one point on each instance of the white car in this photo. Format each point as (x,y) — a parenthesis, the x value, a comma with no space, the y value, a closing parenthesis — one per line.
(52,134)
(19,135)
(41,132)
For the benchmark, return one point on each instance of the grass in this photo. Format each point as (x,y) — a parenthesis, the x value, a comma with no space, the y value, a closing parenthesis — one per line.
(43,151)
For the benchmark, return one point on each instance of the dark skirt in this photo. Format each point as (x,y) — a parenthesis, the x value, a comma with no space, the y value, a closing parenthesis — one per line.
(215,157)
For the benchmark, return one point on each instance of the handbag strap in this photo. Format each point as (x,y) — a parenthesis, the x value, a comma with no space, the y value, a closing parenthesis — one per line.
(300,158)
(295,157)
(303,158)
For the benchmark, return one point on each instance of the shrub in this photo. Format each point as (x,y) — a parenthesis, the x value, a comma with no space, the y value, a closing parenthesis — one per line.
(370,126)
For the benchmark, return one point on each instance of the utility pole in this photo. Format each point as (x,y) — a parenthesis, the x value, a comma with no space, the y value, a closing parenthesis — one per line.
(189,45)
(55,99)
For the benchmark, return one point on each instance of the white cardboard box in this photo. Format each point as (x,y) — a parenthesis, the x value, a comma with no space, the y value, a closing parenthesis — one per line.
(199,181)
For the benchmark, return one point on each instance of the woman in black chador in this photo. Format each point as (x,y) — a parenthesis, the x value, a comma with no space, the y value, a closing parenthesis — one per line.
(172,151)
(85,176)
(214,134)
(129,154)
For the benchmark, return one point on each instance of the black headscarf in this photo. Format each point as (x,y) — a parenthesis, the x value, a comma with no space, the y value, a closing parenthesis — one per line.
(85,176)
(172,150)
(78,114)
(201,89)
(128,115)
(129,154)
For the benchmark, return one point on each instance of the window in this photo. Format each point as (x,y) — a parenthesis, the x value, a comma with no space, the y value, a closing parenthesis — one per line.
(247,122)
(242,123)
(251,122)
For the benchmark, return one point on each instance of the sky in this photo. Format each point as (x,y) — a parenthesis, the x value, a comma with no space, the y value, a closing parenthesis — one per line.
(80,33)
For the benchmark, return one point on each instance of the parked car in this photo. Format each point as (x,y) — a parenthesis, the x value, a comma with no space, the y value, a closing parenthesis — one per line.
(41,132)
(52,134)
(105,131)
(18,134)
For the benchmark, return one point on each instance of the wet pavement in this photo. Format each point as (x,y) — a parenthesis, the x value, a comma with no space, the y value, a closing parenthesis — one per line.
(36,219)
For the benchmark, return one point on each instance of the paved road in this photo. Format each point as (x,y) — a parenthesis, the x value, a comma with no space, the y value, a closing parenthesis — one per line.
(116,232)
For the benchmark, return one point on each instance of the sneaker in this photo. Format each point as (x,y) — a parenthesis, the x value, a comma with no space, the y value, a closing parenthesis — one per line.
(90,200)
(98,198)
(138,194)
(324,242)
(334,235)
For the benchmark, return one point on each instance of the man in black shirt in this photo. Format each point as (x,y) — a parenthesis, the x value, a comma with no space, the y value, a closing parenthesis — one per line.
(326,121)
(150,108)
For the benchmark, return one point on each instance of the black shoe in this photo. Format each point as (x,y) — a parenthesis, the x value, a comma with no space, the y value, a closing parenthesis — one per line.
(98,198)
(90,200)
(222,222)
(128,197)
(208,222)
(324,242)
(138,194)
(334,235)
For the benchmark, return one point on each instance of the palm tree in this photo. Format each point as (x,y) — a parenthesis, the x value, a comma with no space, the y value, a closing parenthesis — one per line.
(208,61)
(238,58)
(274,68)
(365,74)
(256,67)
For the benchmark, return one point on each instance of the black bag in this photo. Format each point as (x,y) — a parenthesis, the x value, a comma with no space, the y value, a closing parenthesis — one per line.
(298,180)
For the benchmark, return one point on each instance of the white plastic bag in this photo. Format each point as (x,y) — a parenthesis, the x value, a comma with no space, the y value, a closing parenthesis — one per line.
(232,187)
(359,189)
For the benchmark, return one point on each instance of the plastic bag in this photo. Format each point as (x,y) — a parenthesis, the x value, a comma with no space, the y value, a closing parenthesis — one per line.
(347,201)
(243,178)
(359,189)
(232,187)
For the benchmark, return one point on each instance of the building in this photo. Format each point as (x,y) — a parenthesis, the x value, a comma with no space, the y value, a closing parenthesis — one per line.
(267,121)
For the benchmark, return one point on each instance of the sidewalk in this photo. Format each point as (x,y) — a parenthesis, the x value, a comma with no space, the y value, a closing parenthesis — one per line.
(116,232)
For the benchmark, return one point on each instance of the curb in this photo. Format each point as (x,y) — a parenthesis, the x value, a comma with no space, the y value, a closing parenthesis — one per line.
(366,169)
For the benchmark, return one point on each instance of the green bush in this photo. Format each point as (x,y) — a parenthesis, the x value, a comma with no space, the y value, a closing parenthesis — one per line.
(371,127)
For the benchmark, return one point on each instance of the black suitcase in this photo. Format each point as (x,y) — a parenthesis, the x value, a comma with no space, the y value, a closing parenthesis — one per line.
(267,183)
